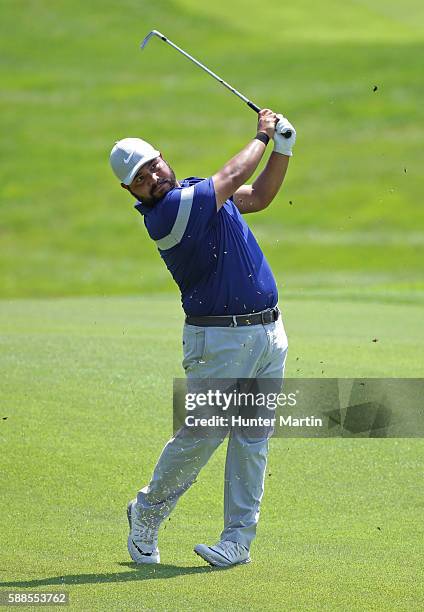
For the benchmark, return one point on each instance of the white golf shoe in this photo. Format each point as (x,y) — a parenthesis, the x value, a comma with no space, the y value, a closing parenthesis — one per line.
(142,540)
(223,554)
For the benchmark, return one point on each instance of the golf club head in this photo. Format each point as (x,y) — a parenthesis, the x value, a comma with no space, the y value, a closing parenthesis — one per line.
(149,36)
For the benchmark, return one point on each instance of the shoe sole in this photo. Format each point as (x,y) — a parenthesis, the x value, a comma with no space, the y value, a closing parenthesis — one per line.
(132,549)
(213,562)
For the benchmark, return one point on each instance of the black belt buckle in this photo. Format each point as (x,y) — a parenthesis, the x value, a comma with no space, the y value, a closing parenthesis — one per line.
(270,316)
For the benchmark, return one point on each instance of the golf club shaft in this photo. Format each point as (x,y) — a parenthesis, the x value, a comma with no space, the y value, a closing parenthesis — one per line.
(252,105)
(215,76)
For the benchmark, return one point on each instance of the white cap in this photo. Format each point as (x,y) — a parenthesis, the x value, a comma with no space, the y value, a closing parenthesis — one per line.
(128,155)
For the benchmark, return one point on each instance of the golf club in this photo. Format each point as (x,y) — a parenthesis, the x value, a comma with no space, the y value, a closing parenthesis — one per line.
(286,134)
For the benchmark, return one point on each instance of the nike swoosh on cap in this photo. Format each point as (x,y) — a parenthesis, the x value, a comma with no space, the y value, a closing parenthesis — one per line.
(126,161)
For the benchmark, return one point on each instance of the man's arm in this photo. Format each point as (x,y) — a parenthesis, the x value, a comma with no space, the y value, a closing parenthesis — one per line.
(256,197)
(241,167)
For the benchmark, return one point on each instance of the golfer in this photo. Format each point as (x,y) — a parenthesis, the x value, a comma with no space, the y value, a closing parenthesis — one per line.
(233,327)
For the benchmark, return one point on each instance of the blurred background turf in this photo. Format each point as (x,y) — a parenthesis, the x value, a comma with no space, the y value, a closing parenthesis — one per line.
(349,220)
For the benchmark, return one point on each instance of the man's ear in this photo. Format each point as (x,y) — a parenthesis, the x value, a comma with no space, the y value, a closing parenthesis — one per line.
(124,186)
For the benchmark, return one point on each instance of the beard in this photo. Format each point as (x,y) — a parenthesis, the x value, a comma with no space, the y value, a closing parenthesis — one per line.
(152,199)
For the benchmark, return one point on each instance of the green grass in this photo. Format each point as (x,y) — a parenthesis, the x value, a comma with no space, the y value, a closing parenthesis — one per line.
(86,386)
(74,81)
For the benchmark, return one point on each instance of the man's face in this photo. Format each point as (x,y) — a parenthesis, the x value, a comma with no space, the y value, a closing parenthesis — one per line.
(152,181)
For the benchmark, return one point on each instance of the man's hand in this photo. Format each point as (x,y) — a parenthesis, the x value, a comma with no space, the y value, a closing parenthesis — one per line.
(267,121)
(284,145)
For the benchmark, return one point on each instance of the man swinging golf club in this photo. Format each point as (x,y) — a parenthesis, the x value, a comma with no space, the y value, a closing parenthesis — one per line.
(233,328)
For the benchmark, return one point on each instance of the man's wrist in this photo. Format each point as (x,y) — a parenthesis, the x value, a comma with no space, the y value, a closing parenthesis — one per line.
(286,152)
(263,137)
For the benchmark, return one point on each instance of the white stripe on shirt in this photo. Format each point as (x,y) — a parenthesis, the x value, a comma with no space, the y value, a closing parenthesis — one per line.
(175,235)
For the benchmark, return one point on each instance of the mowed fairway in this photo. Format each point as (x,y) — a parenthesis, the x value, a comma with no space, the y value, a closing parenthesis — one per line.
(86,389)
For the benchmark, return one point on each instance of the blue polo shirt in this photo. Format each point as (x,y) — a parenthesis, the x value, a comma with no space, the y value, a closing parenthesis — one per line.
(212,255)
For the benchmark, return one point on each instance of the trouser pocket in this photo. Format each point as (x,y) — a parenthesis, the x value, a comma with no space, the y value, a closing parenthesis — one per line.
(194,345)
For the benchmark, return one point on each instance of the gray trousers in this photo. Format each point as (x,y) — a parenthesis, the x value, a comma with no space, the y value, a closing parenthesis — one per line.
(257,351)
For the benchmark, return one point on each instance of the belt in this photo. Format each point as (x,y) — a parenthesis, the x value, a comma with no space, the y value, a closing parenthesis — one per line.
(256,318)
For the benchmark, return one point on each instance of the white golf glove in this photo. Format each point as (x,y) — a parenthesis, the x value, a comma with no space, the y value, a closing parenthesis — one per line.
(281,144)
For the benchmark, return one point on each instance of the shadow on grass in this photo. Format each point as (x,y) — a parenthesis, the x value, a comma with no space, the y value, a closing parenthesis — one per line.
(140,572)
